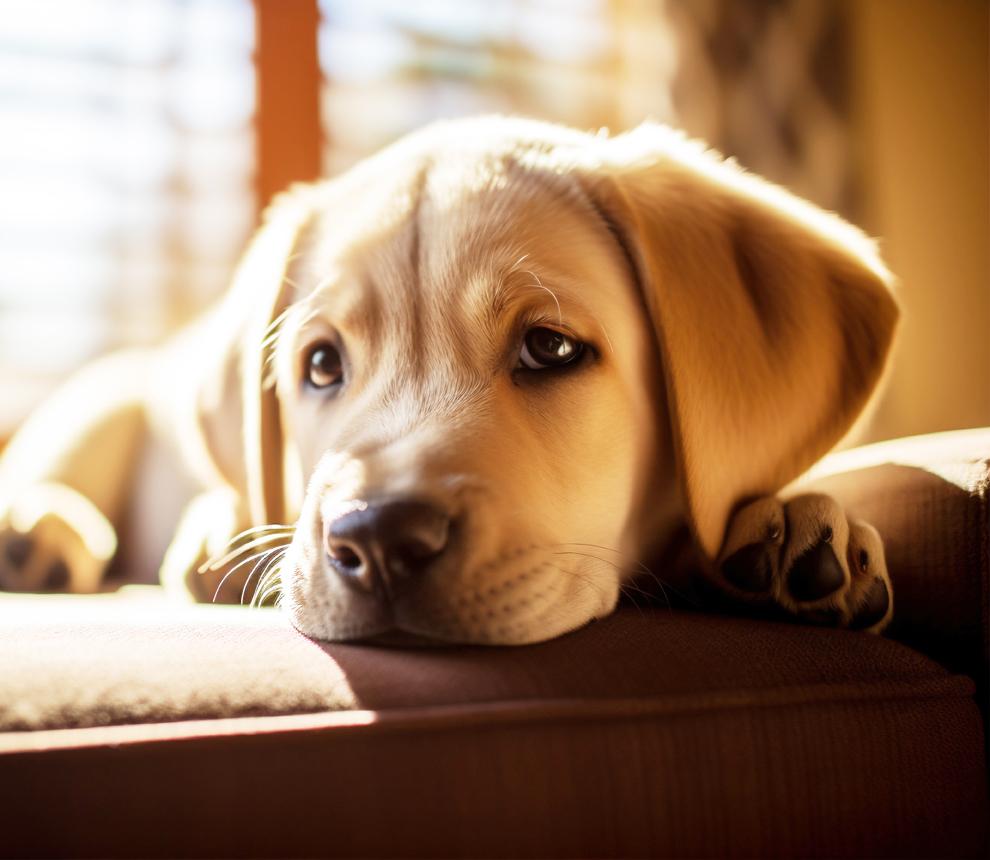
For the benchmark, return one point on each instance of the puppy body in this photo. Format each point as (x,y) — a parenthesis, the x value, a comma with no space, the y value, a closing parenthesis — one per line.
(727,336)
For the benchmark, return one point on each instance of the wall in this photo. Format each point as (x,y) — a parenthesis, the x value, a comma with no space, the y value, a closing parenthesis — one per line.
(921,104)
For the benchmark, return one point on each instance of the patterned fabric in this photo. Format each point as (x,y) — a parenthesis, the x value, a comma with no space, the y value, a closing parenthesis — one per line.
(767,82)
(763,80)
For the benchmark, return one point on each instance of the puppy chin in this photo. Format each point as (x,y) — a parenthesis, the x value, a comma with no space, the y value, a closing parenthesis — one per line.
(319,608)
(413,632)
(520,598)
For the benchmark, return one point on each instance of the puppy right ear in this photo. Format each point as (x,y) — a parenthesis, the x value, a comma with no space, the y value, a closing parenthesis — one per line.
(236,407)
(774,319)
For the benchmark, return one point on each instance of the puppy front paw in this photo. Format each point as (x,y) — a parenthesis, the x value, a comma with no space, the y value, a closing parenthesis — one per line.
(46,557)
(805,557)
(26,565)
(53,539)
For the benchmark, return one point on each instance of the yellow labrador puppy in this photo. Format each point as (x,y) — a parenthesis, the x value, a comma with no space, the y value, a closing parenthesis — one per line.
(467,388)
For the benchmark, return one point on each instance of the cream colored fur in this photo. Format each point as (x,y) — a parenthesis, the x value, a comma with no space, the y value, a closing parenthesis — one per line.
(736,333)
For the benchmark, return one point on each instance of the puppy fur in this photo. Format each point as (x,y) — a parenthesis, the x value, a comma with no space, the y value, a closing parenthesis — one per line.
(732,335)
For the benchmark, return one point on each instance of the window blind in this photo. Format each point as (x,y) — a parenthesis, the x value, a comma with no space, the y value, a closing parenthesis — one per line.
(390,66)
(126,162)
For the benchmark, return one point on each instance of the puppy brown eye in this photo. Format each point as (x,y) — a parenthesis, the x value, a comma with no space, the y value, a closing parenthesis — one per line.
(324,367)
(546,347)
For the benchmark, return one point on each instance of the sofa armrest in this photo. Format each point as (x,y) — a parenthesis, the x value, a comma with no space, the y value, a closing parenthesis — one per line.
(928,496)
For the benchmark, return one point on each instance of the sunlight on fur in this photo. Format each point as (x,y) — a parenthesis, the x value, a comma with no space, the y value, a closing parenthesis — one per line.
(469,388)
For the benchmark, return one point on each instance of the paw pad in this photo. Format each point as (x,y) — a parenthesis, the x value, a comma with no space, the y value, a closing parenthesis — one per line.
(873,608)
(749,568)
(807,558)
(17,550)
(816,573)
(57,577)
(27,565)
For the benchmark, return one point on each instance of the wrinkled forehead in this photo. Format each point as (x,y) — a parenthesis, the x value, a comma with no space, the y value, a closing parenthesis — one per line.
(465,237)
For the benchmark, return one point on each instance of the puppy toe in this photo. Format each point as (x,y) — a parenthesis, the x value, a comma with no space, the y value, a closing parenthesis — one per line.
(749,568)
(816,573)
(57,576)
(813,567)
(16,550)
(871,596)
(874,607)
(30,564)
(748,561)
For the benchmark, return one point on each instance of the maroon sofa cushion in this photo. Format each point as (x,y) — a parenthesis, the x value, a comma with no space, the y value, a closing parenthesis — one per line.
(649,733)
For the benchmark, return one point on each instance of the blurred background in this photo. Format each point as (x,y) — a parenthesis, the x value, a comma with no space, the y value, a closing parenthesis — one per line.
(140,138)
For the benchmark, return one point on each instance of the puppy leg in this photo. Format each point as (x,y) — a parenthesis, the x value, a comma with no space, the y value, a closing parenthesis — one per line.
(65,476)
(806,557)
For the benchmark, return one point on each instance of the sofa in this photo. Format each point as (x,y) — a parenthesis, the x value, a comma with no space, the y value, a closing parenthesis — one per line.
(132,725)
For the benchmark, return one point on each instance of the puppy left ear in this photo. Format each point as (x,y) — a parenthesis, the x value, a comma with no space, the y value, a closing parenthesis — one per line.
(774,318)
(263,284)
(235,403)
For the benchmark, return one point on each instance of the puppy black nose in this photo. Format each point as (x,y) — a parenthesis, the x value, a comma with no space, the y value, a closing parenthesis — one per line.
(380,547)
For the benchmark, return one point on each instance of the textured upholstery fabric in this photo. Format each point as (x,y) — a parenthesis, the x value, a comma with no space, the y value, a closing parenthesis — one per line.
(893,777)
(130,726)
(671,734)
(180,663)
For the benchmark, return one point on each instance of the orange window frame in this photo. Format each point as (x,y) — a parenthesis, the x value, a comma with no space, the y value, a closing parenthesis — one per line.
(288,134)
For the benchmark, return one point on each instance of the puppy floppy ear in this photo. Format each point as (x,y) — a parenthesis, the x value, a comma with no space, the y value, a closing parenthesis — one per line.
(263,281)
(237,404)
(774,318)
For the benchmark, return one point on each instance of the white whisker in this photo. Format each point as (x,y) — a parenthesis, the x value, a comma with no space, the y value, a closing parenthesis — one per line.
(257,557)
(215,562)
(259,530)
(638,567)
(274,327)
(274,333)
(273,586)
(274,556)
(270,581)
(582,578)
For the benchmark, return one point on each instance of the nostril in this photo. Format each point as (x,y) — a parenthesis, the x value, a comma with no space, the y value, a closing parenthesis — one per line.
(352,567)
(379,544)
(409,557)
(418,534)
(412,551)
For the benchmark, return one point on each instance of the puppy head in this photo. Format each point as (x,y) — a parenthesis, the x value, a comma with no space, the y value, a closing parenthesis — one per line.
(463,372)
(466,379)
